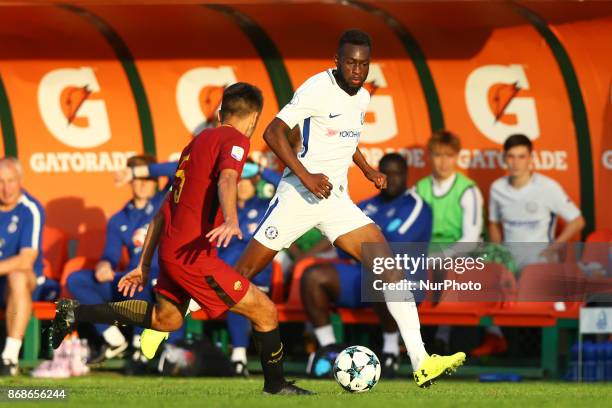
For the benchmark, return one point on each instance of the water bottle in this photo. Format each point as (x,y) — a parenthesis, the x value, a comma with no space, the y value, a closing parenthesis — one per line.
(589,368)
(572,372)
(498,377)
(600,361)
(608,375)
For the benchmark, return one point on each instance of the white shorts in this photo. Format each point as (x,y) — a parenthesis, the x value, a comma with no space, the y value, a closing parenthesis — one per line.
(294,210)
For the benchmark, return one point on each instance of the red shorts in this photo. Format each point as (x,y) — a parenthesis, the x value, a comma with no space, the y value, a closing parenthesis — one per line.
(215,286)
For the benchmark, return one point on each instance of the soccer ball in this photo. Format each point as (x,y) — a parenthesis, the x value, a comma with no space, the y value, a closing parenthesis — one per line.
(357,369)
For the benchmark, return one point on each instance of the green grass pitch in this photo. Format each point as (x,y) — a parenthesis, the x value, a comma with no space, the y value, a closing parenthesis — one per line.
(114,391)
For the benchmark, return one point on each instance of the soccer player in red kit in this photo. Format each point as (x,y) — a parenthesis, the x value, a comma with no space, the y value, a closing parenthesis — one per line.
(199,212)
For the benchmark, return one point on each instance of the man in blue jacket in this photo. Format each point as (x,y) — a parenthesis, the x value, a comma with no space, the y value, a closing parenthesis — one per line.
(21,268)
(125,229)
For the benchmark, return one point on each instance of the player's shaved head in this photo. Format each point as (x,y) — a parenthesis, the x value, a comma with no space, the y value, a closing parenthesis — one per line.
(240,100)
(353,60)
(394,166)
(354,37)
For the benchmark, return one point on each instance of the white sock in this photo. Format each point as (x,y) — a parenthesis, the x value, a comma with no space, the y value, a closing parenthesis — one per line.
(239,354)
(495,330)
(11,350)
(443,333)
(391,343)
(325,335)
(136,341)
(407,318)
(113,336)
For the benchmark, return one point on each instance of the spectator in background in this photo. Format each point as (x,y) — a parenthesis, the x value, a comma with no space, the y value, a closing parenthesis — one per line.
(21,266)
(523,208)
(403,217)
(125,230)
(456,203)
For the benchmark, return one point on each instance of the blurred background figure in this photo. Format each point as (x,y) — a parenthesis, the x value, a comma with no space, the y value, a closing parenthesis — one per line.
(125,234)
(21,268)
(457,206)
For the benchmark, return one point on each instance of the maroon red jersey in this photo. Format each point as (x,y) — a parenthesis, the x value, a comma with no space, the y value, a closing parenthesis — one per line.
(192,207)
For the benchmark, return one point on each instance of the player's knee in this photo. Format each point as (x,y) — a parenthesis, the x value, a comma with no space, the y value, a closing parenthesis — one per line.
(166,321)
(267,318)
(316,277)
(18,282)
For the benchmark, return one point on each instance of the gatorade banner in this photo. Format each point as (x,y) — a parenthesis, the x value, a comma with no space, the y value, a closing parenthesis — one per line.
(186,59)
(74,117)
(84,89)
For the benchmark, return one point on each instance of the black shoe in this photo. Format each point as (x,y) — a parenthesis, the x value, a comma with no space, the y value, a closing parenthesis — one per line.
(137,365)
(240,369)
(107,352)
(289,389)
(64,321)
(8,368)
(440,347)
(321,363)
(389,365)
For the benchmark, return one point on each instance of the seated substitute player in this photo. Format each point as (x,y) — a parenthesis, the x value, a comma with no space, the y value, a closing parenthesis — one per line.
(200,211)
(125,229)
(456,204)
(21,266)
(330,109)
(523,208)
(403,217)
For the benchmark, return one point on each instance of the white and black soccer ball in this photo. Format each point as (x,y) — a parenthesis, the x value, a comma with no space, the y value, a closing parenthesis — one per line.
(357,369)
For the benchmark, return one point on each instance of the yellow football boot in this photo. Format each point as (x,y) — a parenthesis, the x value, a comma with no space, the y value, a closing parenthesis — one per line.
(435,366)
(150,340)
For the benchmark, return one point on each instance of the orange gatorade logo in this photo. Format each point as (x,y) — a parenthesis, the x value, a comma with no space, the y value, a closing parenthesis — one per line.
(198,95)
(497,104)
(68,109)
(72,99)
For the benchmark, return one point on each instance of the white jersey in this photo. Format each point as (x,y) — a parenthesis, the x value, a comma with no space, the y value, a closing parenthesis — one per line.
(331,122)
(529,214)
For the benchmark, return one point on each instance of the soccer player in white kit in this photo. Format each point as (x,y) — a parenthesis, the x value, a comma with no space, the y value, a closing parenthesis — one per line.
(523,210)
(524,206)
(329,109)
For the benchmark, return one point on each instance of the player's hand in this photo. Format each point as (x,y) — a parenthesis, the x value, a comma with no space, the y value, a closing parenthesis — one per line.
(133,281)
(104,273)
(123,176)
(223,233)
(318,184)
(379,179)
(549,255)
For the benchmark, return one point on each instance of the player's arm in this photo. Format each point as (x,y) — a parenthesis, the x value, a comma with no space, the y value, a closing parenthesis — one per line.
(570,230)
(495,232)
(154,170)
(30,232)
(105,268)
(227,186)
(379,179)
(561,205)
(22,262)
(136,279)
(276,136)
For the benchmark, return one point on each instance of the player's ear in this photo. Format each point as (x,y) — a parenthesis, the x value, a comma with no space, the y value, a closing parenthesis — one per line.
(219,116)
(336,60)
